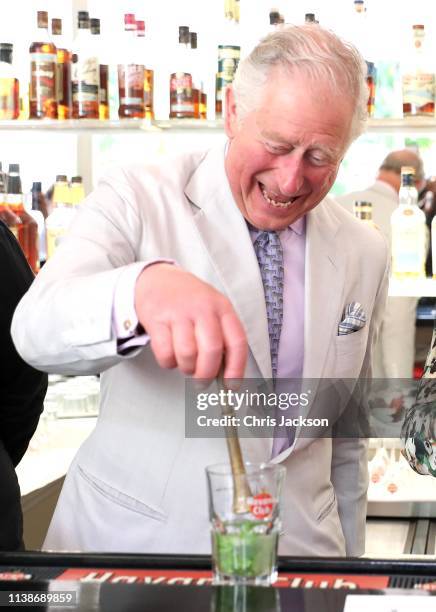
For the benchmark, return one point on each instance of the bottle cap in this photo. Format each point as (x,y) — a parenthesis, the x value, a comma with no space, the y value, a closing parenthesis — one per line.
(61,178)
(56,26)
(83,20)
(129,19)
(76,179)
(184,34)
(6,50)
(42,18)
(36,186)
(274,17)
(95,25)
(140,27)
(14,169)
(310,18)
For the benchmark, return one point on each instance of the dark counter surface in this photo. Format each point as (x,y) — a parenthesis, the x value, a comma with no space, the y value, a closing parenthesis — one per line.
(118,582)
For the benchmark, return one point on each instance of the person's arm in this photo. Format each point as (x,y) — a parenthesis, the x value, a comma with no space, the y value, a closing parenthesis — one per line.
(418,431)
(349,455)
(22,387)
(65,322)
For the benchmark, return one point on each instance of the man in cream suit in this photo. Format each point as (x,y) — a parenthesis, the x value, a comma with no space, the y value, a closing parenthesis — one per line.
(394,353)
(158,280)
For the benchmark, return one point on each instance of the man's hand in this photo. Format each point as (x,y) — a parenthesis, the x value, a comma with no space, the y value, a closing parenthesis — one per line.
(192,326)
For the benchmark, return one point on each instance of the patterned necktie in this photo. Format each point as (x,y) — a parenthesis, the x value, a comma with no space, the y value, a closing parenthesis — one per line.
(270,258)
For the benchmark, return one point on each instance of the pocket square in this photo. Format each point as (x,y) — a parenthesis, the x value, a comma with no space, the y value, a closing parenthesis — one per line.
(354,318)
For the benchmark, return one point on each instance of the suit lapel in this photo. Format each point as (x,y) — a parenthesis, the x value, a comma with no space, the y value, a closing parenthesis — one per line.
(226,238)
(324,280)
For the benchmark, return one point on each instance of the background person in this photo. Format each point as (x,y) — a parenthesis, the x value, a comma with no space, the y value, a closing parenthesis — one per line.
(22,391)
(226,217)
(394,353)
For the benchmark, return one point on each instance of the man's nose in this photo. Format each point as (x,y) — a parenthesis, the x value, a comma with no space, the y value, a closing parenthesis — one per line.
(290,174)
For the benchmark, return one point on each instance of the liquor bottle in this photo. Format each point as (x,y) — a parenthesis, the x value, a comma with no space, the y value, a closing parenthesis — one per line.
(363,211)
(59,220)
(63,72)
(6,214)
(229,55)
(77,192)
(85,72)
(418,78)
(103,107)
(38,214)
(131,74)
(408,231)
(27,228)
(9,87)
(196,87)
(43,62)
(181,97)
(145,56)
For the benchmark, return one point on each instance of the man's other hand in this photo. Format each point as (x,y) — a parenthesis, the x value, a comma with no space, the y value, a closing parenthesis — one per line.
(191,325)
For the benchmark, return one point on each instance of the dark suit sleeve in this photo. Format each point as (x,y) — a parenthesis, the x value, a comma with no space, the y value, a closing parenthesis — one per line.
(22,388)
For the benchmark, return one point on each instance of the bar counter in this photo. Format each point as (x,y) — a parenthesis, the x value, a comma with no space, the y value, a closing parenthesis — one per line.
(118,582)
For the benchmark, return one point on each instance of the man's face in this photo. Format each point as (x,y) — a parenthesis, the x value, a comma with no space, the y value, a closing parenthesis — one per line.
(284,156)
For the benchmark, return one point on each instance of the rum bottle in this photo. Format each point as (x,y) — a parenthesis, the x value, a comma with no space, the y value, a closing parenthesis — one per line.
(181,97)
(229,54)
(59,220)
(103,107)
(63,72)
(408,231)
(131,75)
(37,212)
(196,87)
(27,228)
(43,62)
(9,87)
(6,214)
(148,71)
(363,211)
(418,78)
(77,191)
(85,72)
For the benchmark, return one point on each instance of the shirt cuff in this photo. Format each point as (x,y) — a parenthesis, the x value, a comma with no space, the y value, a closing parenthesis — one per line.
(125,325)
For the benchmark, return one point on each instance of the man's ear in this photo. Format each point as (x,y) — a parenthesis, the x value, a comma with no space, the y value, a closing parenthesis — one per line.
(230,119)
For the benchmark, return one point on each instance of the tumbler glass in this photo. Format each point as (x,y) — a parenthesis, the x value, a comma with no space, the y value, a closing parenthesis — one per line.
(245,541)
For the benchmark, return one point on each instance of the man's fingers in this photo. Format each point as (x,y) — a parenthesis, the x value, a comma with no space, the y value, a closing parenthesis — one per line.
(185,346)
(235,346)
(209,336)
(161,341)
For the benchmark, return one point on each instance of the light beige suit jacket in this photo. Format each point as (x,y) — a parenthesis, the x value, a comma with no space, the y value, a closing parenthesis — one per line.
(138,483)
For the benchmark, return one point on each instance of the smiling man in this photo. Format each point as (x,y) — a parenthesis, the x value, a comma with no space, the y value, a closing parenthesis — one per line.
(236,255)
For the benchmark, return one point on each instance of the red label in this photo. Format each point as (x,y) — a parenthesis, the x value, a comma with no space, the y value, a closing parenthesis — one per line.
(261,505)
(202,577)
(16,576)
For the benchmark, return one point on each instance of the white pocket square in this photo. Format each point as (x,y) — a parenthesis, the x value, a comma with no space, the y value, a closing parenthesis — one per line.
(353,319)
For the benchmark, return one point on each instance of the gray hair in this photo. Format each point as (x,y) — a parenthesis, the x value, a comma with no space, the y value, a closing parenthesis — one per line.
(313,51)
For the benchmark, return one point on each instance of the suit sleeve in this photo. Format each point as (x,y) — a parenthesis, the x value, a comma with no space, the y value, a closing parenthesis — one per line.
(64,323)
(349,458)
(22,387)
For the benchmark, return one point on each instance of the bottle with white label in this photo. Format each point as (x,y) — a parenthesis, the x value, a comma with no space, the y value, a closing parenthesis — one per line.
(418,78)
(85,72)
(408,226)
(43,66)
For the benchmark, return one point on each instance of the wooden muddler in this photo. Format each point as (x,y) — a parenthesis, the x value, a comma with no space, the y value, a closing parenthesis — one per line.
(241,489)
